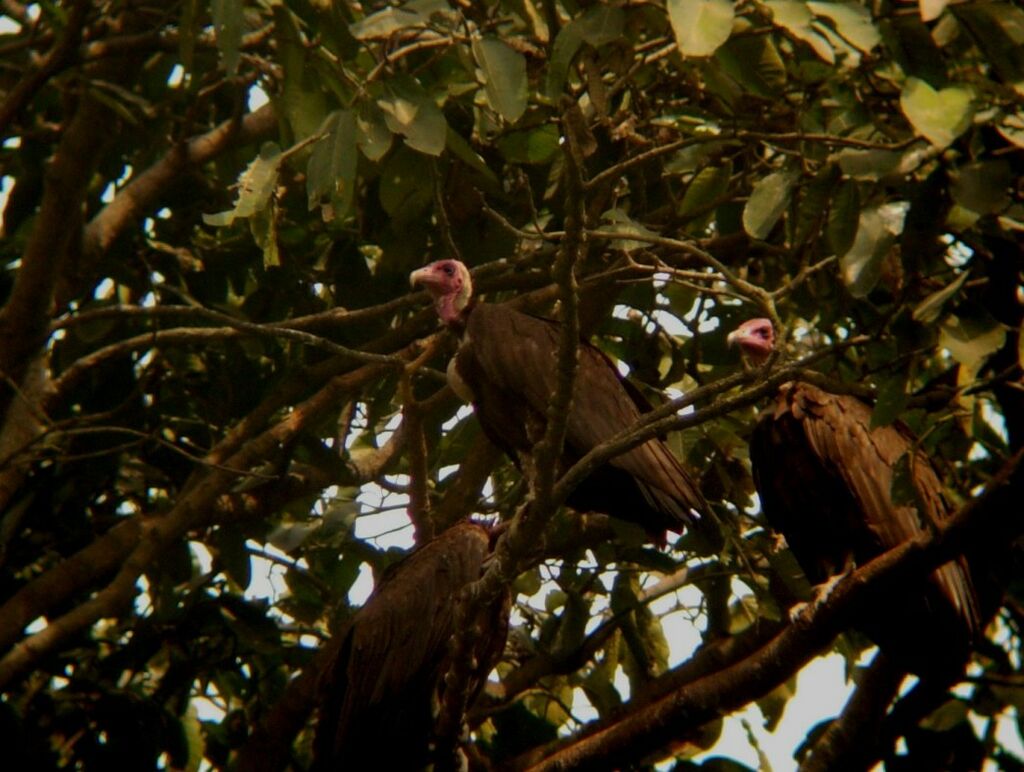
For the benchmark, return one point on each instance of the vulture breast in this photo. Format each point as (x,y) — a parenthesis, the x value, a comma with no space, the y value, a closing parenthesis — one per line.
(824,478)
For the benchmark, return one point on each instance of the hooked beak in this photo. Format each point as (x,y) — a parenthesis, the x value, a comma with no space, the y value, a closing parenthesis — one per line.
(734,337)
(420,276)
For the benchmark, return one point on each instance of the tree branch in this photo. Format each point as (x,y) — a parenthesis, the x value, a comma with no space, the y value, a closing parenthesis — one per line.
(192,507)
(851,739)
(653,726)
(139,196)
(24,319)
(528,522)
(55,59)
(664,418)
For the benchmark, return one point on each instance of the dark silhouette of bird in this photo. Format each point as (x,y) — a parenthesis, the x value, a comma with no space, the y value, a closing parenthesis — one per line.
(381,692)
(506,366)
(824,476)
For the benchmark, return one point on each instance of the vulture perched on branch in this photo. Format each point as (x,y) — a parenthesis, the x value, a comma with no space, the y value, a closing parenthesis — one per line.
(506,366)
(379,695)
(824,477)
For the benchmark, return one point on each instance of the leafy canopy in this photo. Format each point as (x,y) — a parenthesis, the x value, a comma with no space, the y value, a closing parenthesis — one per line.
(207,330)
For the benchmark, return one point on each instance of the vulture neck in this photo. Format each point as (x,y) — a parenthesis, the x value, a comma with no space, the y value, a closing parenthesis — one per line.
(454,309)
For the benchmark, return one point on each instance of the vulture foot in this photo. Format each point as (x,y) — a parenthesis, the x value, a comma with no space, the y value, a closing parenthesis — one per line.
(820,594)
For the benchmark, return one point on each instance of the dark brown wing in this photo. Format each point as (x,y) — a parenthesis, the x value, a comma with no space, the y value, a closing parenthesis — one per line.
(824,477)
(377,696)
(508,361)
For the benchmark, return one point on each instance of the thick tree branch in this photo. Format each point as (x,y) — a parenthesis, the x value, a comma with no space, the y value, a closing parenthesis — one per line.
(851,740)
(463,493)
(24,319)
(153,533)
(525,529)
(203,335)
(664,419)
(269,746)
(139,196)
(56,58)
(653,726)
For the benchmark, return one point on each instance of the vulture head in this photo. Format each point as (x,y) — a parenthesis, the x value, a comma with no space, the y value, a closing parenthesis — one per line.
(449,285)
(756,339)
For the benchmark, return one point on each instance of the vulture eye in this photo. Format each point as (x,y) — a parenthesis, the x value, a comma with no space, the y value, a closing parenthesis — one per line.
(448,270)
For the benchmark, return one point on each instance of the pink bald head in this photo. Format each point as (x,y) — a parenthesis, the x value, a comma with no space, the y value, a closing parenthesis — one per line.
(449,285)
(756,339)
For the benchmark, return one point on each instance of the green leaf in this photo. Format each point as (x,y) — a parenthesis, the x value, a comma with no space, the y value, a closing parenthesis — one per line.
(504,74)
(843,216)
(289,536)
(902,490)
(554,600)
(599,25)
(998,30)
(939,116)
(754,62)
(187,30)
(385,23)
(305,103)
(971,341)
(947,716)
(927,311)
(700,26)
(331,170)
(914,49)
(707,187)
(228,22)
(528,583)
(255,186)
(852,22)
(932,9)
(1012,128)
(405,191)
(1020,348)
(374,136)
(814,200)
(767,202)
(983,186)
(263,227)
(535,146)
(870,165)
(892,398)
(193,733)
(620,222)
(795,17)
(409,111)
(462,150)
(773,704)
(876,233)
(229,545)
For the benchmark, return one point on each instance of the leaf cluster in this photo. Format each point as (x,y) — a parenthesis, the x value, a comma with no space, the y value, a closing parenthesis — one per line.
(224,415)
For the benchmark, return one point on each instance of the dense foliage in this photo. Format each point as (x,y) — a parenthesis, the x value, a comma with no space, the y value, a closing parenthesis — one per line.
(211,356)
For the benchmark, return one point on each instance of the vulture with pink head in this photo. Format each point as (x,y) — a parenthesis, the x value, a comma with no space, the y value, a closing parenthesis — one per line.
(824,477)
(506,366)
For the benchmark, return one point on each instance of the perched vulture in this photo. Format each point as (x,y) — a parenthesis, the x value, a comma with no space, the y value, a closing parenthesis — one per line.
(506,366)
(380,694)
(823,476)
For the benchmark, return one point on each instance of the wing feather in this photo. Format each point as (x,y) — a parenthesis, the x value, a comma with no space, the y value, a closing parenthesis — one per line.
(517,354)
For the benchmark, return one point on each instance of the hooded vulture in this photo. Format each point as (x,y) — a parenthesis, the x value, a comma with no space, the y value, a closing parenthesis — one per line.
(380,693)
(505,366)
(823,475)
